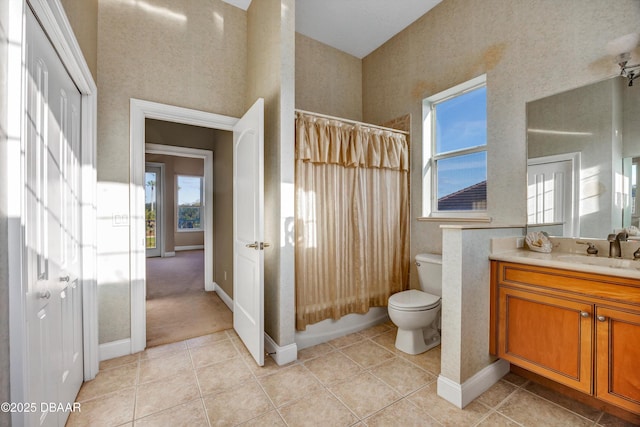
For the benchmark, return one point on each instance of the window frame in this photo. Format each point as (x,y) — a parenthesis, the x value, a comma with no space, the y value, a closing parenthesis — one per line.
(429,158)
(177,204)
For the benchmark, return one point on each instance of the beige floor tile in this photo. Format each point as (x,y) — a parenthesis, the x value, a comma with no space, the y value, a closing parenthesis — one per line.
(609,420)
(190,414)
(109,381)
(164,366)
(497,420)
(119,361)
(213,353)
(289,384)
(163,350)
(388,341)
(222,376)
(515,379)
(429,360)
(237,405)
(159,395)
(317,409)
(333,367)
(496,394)
(559,399)
(375,330)
(207,339)
(367,353)
(346,340)
(402,413)
(444,412)
(270,366)
(242,349)
(365,394)
(530,410)
(271,418)
(313,352)
(111,410)
(402,376)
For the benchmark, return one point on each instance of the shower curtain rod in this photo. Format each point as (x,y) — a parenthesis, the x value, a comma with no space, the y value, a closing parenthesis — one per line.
(355,122)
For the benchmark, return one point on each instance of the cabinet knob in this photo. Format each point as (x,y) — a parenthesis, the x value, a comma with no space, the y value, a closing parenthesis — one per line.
(601,318)
(584,314)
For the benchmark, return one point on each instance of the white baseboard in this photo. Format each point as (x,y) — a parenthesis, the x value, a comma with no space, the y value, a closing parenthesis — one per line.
(281,355)
(223,296)
(169,254)
(188,248)
(113,349)
(463,394)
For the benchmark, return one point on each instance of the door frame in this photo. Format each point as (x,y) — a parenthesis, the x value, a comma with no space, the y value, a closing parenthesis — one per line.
(141,110)
(160,198)
(54,22)
(207,208)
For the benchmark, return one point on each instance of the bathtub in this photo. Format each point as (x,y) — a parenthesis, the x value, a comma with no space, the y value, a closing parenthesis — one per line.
(329,329)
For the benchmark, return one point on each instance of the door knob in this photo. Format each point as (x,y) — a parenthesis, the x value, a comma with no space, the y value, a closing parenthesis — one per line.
(601,318)
(584,314)
(253,245)
(264,245)
(65,279)
(45,295)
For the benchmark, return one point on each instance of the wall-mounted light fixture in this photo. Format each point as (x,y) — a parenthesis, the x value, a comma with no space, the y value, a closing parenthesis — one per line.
(621,48)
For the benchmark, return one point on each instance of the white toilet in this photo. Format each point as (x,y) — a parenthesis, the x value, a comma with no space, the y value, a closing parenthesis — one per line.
(417,313)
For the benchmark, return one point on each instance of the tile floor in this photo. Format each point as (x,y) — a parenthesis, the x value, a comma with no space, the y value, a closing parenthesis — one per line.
(356,380)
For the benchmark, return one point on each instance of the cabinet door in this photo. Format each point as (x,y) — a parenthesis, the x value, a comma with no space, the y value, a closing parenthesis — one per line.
(618,358)
(547,335)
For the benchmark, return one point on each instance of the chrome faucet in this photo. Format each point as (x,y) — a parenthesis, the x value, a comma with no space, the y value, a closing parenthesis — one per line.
(614,244)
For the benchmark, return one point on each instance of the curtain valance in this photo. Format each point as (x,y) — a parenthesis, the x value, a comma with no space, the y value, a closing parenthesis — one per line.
(327,141)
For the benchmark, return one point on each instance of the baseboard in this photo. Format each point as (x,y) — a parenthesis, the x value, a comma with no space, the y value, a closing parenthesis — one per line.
(223,296)
(463,394)
(281,355)
(169,254)
(188,248)
(113,349)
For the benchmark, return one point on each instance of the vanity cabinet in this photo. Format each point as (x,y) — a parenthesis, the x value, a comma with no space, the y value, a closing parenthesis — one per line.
(578,329)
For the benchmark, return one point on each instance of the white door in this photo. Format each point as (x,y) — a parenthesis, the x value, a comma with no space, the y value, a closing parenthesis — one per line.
(550,194)
(54,364)
(152,208)
(248,230)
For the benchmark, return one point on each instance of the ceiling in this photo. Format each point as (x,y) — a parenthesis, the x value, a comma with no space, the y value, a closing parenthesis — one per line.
(357,27)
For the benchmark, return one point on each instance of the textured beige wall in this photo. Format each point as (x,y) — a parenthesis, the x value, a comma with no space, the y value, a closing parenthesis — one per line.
(328,81)
(271,69)
(528,50)
(83,16)
(190,54)
(223,211)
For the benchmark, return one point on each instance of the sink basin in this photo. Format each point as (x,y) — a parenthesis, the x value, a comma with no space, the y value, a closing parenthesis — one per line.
(600,261)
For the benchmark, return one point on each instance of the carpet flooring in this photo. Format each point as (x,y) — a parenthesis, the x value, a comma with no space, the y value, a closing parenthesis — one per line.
(178,307)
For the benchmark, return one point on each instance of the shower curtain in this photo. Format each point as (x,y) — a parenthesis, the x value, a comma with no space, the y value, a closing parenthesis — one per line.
(352,218)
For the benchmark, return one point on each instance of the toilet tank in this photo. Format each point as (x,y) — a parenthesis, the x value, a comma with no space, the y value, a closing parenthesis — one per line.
(430,273)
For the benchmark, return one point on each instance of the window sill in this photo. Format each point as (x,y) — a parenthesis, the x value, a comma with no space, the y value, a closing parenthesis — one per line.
(484,219)
(189,230)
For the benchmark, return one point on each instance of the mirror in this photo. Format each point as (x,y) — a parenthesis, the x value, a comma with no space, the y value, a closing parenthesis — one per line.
(583,152)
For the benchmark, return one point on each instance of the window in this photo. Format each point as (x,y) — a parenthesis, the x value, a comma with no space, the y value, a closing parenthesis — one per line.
(189,197)
(455,151)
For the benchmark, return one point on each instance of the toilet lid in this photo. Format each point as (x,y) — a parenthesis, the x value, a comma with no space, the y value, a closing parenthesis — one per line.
(413,300)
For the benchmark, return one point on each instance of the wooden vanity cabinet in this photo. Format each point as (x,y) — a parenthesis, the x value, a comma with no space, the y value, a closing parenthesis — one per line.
(577,329)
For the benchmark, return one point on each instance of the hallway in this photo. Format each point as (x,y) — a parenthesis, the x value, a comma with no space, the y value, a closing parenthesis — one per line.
(178,307)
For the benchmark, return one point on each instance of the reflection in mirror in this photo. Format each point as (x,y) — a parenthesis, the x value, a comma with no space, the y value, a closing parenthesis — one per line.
(583,151)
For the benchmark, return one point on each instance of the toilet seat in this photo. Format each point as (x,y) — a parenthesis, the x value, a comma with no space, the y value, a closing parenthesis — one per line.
(413,300)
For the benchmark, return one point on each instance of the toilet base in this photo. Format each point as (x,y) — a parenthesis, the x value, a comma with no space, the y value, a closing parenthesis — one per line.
(418,340)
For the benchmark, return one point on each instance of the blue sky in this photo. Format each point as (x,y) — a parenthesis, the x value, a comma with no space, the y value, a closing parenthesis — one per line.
(189,188)
(461,123)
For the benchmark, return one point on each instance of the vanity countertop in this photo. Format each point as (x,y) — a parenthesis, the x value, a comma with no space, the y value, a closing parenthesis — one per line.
(572,261)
